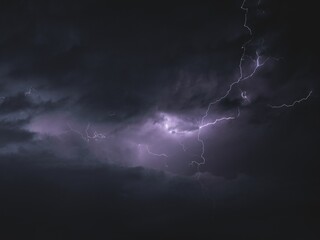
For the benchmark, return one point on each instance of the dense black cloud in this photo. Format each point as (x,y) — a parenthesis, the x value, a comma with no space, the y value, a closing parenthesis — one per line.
(10,133)
(96,201)
(15,103)
(93,95)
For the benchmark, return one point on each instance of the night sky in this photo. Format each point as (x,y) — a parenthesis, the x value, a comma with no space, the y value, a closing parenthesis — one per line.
(145,119)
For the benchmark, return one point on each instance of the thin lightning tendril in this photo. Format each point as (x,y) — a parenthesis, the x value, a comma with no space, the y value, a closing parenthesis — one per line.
(151,152)
(155,154)
(246,17)
(292,104)
(182,146)
(162,155)
(219,120)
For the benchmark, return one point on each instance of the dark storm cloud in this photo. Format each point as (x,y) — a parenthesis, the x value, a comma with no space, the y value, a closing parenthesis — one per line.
(140,73)
(96,200)
(85,52)
(31,104)
(107,63)
(10,132)
(15,103)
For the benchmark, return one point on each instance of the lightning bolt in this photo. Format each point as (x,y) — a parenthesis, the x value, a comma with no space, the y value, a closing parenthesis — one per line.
(258,62)
(292,104)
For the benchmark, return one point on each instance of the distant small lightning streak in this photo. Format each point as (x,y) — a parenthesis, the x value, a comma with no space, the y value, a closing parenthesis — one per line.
(77,132)
(292,104)
(29,92)
(96,136)
(162,155)
(152,153)
(87,137)
(183,146)
(155,154)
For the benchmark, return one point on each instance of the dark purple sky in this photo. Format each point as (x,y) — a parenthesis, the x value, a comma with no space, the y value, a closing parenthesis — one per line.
(109,110)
